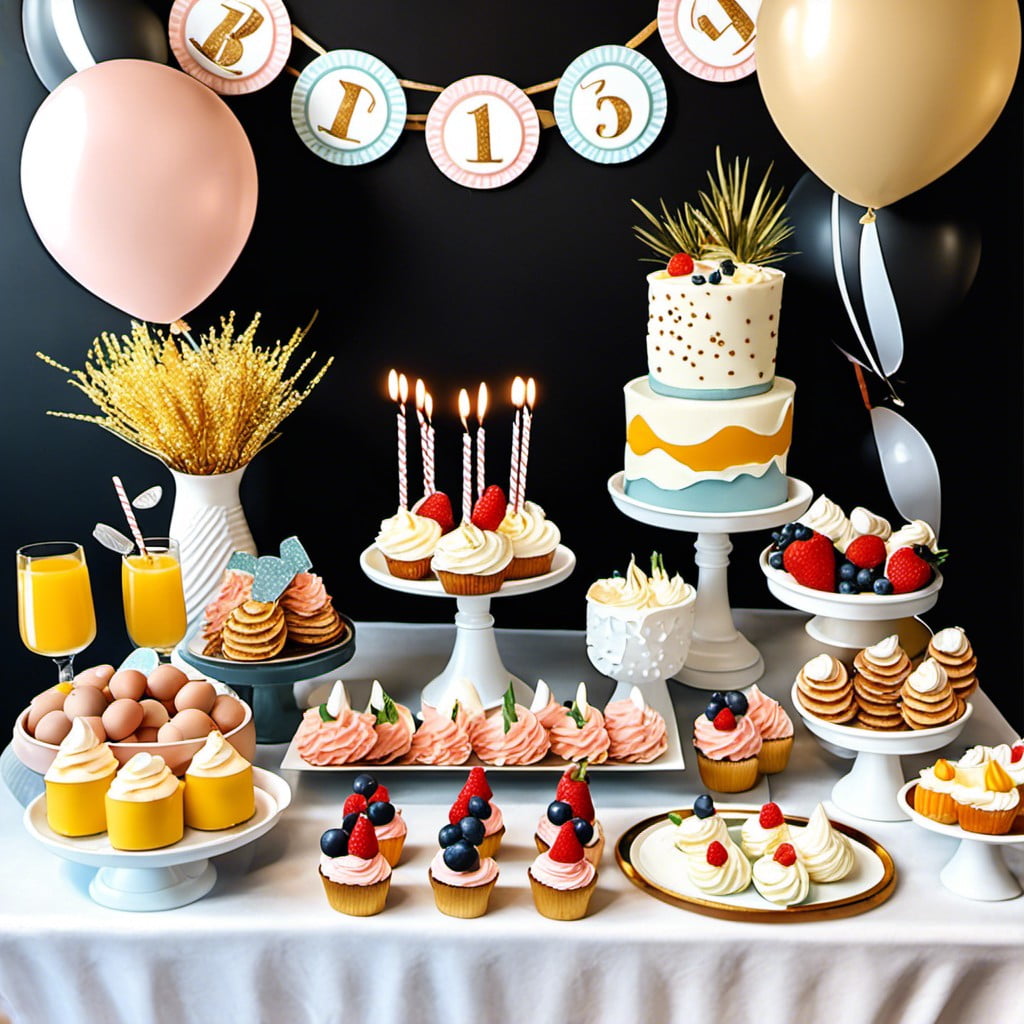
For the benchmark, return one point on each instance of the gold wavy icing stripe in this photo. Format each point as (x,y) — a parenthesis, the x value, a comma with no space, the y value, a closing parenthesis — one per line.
(731,446)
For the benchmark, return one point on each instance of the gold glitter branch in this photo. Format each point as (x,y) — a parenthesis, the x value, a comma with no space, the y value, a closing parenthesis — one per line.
(200,408)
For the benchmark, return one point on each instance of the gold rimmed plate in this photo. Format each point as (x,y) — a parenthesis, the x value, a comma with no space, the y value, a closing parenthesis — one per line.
(649,859)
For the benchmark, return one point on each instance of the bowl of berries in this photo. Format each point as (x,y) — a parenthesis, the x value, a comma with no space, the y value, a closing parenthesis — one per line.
(857,588)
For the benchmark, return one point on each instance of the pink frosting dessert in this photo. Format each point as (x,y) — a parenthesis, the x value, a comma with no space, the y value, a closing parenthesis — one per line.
(580,733)
(486,872)
(439,740)
(548,831)
(393,829)
(393,724)
(352,870)
(332,733)
(560,875)
(637,732)
(235,589)
(501,738)
(768,715)
(544,705)
(305,595)
(735,744)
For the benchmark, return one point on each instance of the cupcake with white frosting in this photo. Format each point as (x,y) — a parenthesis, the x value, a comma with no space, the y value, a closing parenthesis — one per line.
(219,789)
(470,561)
(145,805)
(534,539)
(407,542)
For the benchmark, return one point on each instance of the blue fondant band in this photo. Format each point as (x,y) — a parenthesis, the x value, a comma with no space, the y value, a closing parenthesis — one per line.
(708,394)
(744,494)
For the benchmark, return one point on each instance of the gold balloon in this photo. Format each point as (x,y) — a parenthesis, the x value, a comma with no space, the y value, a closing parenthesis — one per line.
(881,97)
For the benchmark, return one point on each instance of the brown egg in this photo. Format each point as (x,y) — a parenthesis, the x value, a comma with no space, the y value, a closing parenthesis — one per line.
(169,733)
(228,712)
(122,718)
(84,702)
(132,738)
(193,724)
(128,683)
(98,676)
(165,681)
(198,694)
(154,714)
(96,724)
(53,727)
(146,734)
(169,707)
(43,703)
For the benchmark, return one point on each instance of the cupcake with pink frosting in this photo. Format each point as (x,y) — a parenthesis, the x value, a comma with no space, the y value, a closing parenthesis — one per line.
(572,802)
(509,735)
(461,875)
(355,875)
(332,733)
(544,705)
(579,732)
(727,744)
(394,727)
(775,727)
(562,880)
(637,733)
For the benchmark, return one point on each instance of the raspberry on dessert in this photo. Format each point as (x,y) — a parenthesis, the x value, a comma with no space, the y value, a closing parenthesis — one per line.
(490,507)
(770,816)
(353,802)
(785,855)
(477,784)
(717,854)
(438,506)
(725,721)
(362,842)
(680,265)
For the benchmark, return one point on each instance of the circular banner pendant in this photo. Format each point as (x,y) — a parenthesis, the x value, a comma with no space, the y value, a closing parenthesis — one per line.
(348,107)
(482,131)
(610,104)
(232,46)
(712,39)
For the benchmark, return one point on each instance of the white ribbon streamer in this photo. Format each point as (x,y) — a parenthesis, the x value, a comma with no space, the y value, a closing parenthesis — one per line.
(879,301)
(909,466)
(69,34)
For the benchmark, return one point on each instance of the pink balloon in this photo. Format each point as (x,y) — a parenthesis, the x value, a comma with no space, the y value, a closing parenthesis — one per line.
(141,183)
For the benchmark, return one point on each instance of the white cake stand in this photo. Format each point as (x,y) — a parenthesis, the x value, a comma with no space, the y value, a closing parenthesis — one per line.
(977,871)
(169,877)
(855,621)
(870,788)
(475,654)
(720,657)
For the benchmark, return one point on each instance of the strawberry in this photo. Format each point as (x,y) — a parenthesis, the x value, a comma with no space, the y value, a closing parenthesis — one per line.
(362,843)
(717,854)
(381,794)
(680,265)
(1016,753)
(476,784)
(907,571)
(725,721)
(438,507)
(770,816)
(574,788)
(489,509)
(459,809)
(566,848)
(866,551)
(353,802)
(785,854)
(812,563)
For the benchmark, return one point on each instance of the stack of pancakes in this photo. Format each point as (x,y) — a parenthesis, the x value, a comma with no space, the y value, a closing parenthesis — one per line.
(254,631)
(824,688)
(953,651)
(322,627)
(879,674)
(927,699)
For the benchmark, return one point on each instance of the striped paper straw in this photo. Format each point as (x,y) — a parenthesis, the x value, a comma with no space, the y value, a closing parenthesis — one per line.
(126,506)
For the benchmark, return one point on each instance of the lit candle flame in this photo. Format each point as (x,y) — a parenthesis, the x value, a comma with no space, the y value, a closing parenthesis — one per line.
(403,388)
(531,393)
(464,408)
(518,392)
(393,385)
(481,402)
(421,391)
(428,406)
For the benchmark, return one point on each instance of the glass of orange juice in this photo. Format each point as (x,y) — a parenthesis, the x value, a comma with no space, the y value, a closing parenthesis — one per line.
(154,599)
(55,610)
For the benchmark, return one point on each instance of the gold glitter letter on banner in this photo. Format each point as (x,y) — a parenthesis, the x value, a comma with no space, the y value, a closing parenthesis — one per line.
(623,111)
(223,45)
(339,129)
(483,136)
(738,19)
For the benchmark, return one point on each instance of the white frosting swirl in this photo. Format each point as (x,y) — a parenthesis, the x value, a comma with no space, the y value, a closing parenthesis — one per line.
(216,758)
(81,757)
(928,677)
(865,522)
(640,592)
(820,669)
(757,841)
(986,799)
(408,537)
(825,852)
(917,531)
(825,516)
(694,833)
(951,640)
(530,531)
(885,652)
(722,879)
(468,550)
(145,777)
(780,884)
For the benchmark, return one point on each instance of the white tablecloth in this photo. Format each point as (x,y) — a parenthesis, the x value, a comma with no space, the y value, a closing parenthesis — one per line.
(264,946)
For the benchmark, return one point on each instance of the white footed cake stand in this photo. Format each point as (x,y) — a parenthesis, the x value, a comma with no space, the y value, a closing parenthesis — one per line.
(720,657)
(977,871)
(870,789)
(475,654)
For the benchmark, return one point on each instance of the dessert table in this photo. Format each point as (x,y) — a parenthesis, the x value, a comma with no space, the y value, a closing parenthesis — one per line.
(263,945)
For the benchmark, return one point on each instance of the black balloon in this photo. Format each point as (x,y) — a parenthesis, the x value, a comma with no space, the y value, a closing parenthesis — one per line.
(931,257)
(65,36)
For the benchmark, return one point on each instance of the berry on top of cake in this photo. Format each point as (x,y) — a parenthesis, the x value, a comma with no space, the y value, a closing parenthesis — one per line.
(572,801)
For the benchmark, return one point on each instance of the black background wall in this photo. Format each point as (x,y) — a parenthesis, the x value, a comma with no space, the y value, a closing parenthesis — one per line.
(540,278)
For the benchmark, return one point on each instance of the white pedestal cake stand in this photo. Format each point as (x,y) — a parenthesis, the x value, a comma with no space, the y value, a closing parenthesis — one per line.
(977,871)
(870,789)
(475,654)
(720,657)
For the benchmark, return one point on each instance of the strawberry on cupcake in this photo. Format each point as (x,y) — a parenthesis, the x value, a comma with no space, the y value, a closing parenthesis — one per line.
(572,801)
(727,744)
(355,875)
(562,880)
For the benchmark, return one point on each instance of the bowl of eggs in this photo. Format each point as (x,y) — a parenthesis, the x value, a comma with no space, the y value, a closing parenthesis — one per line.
(164,712)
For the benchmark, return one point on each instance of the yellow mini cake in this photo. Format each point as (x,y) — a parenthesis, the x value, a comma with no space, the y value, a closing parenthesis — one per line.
(144,805)
(77,781)
(218,786)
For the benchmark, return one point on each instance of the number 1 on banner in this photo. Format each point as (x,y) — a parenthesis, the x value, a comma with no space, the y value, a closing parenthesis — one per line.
(343,117)
(483,136)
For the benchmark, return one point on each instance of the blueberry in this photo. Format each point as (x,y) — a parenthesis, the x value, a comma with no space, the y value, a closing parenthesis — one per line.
(848,571)
(461,856)
(472,830)
(865,578)
(448,835)
(704,806)
(736,702)
(882,586)
(583,829)
(567,703)
(714,705)
(787,530)
(801,532)
(925,552)
(478,807)
(334,842)
(559,812)
(727,267)
(380,812)
(775,560)
(364,783)
(349,821)
(714,277)
(697,279)
(848,587)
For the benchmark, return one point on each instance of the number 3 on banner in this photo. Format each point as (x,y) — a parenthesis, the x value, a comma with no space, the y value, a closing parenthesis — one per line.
(482,132)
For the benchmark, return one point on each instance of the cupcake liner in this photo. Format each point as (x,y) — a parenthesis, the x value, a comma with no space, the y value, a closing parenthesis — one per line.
(990,823)
(774,755)
(728,776)
(939,807)
(489,846)
(535,565)
(391,848)
(356,900)
(592,853)
(561,904)
(468,585)
(461,901)
(414,570)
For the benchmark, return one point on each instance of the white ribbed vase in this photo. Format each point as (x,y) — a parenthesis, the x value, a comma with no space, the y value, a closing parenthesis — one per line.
(209,525)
